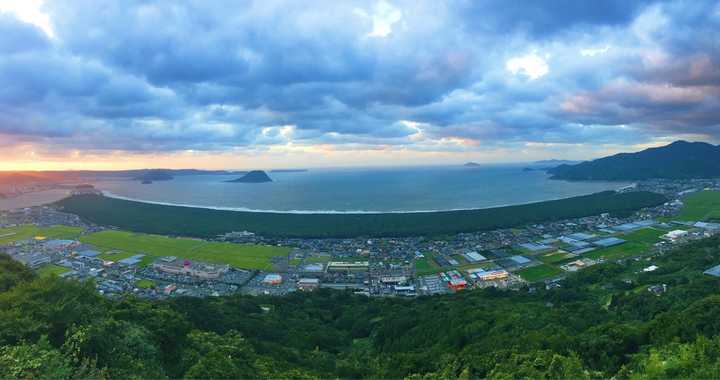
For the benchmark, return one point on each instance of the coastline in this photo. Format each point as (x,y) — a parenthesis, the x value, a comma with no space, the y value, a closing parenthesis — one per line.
(204,223)
(110,194)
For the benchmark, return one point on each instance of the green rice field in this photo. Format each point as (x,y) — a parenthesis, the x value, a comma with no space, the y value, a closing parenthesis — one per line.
(237,255)
(539,272)
(50,270)
(12,234)
(426,265)
(637,242)
(555,257)
(703,205)
(145,284)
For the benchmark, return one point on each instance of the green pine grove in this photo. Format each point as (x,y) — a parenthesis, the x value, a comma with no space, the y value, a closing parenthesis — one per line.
(601,323)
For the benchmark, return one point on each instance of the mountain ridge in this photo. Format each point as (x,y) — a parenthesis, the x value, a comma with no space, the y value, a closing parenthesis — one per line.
(678,160)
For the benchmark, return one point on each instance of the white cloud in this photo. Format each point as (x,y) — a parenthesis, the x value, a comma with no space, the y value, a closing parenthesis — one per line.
(29,11)
(384,16)
(591,52)
(531,65)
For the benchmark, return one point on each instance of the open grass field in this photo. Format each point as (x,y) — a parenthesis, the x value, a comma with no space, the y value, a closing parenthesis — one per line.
(555,257)
(539,272)
(703,205)
(12,234)
(318,259)
(50,270)
(637,242)
(237,255)
(145,284)
(426,265)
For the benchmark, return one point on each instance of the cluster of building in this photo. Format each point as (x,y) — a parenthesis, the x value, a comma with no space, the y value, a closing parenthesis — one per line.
(376,267)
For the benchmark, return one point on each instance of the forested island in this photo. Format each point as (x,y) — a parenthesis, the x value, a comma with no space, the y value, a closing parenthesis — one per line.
(199,222)
(679,160)
(254,176)
(598,323)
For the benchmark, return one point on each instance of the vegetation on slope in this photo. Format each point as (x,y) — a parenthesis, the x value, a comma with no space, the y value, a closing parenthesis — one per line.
(601,323)
(679,160)
(197,222)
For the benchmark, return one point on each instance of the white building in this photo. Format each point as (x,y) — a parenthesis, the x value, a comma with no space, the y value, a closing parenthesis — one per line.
(675,234)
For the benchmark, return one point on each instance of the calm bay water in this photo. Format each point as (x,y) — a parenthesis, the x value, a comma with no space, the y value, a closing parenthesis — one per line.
(362,190)
(32,199)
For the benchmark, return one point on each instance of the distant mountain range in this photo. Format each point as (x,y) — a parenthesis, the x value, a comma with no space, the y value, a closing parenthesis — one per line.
(140,173)
(544,165)
(288,170)
(553,162)
(154,175)
(679,160)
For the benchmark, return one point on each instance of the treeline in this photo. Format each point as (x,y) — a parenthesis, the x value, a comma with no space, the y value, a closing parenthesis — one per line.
(602,323)
(198,222)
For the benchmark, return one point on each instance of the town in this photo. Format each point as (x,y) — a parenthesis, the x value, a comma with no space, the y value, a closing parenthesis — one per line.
(58,243)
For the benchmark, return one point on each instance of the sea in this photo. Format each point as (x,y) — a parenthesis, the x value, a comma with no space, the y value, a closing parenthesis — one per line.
(37,198)
(361,190)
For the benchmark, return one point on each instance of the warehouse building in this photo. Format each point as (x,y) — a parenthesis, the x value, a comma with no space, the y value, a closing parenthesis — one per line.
(342,266)
(272,279)
(188,268)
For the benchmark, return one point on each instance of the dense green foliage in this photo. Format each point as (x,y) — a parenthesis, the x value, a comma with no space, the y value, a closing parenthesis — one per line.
(679,160)
(601,323)
(188,221)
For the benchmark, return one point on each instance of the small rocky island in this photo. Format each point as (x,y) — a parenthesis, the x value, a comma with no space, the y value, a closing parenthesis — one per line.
(254,176)
(471,165)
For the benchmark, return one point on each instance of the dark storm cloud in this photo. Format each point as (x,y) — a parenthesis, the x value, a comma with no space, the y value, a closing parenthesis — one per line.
(210,75)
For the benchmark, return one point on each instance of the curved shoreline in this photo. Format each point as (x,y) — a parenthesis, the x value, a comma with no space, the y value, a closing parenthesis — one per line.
(205,223)
(333,212)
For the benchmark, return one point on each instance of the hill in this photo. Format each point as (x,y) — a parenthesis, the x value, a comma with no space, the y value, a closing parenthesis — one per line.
(471,165)
(154,175)
(254,176)
(199,222)
(599,323)
(679,160)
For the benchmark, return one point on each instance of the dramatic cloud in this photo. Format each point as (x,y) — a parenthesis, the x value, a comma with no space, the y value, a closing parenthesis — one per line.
(260,77)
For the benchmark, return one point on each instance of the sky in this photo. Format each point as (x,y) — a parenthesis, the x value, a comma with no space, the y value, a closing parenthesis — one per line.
(116,84)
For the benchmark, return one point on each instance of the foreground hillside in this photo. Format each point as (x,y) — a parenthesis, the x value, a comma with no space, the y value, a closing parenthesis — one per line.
(601,322)
(198,222)
(679,160)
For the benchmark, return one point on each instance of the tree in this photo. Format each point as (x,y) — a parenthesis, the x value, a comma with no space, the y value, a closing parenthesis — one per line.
(225,356)
(125,349)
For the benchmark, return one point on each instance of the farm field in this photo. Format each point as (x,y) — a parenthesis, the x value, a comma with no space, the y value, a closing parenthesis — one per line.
(145,284)
(637,242)
(703,205)
(539,272)
(555,257)
(154,246)
(12,234)
(49,270)
(426,265)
